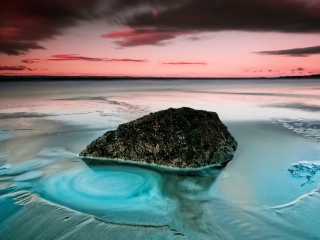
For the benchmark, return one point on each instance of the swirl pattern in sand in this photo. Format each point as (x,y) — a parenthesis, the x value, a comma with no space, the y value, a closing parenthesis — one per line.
(106,189)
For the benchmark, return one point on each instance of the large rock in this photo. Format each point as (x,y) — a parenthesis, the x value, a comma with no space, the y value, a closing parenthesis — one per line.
(181,138)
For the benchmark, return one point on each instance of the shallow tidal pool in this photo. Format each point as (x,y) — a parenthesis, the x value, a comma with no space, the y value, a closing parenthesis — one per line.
(270,190)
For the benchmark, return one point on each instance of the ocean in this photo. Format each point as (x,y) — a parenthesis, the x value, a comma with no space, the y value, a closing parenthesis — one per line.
(270,190)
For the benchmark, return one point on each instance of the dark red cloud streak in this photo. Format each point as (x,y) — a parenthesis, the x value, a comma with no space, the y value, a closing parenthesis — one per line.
(12,68)
(144,36)
(185,63)
(76,57)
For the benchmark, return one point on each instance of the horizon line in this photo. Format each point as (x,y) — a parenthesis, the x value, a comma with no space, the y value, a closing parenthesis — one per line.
(101,77)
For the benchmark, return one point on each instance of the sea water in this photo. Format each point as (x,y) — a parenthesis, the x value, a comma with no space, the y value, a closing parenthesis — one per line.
(268,191)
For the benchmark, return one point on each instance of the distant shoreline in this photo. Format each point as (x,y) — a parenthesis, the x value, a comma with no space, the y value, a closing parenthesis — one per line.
(22,78)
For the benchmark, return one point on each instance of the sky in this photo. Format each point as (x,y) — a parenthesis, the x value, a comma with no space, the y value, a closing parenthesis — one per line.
(160,38)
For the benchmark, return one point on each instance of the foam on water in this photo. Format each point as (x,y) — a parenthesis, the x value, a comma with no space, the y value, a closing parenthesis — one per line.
(307,128)
(305,169)
(304,210)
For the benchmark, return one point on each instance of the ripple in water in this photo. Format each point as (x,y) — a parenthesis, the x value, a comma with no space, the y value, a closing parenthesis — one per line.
(107,192)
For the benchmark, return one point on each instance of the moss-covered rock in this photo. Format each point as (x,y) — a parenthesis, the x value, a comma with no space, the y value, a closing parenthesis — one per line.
(181,138)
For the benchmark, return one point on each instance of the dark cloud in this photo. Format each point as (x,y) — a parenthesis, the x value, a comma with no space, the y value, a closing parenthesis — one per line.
(29,61)
(185,63)
(300,69)
(198,37)
(24,24)
(175,18)
(216,15)
(16,46)
(76,57)
(294,52)
(194,38)
(12,68)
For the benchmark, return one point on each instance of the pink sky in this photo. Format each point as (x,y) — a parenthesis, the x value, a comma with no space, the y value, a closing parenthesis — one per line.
(207,38)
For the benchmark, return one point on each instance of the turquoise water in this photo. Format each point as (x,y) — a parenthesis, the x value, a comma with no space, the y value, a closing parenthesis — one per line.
(43,126)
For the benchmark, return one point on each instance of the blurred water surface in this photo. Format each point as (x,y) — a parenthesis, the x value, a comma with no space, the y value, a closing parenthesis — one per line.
(44,125)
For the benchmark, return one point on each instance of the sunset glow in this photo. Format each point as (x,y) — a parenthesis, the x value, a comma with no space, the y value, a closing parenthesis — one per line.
(209,38)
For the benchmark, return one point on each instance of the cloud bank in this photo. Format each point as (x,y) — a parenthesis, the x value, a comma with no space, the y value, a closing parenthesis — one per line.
(189,16)
(24,24)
